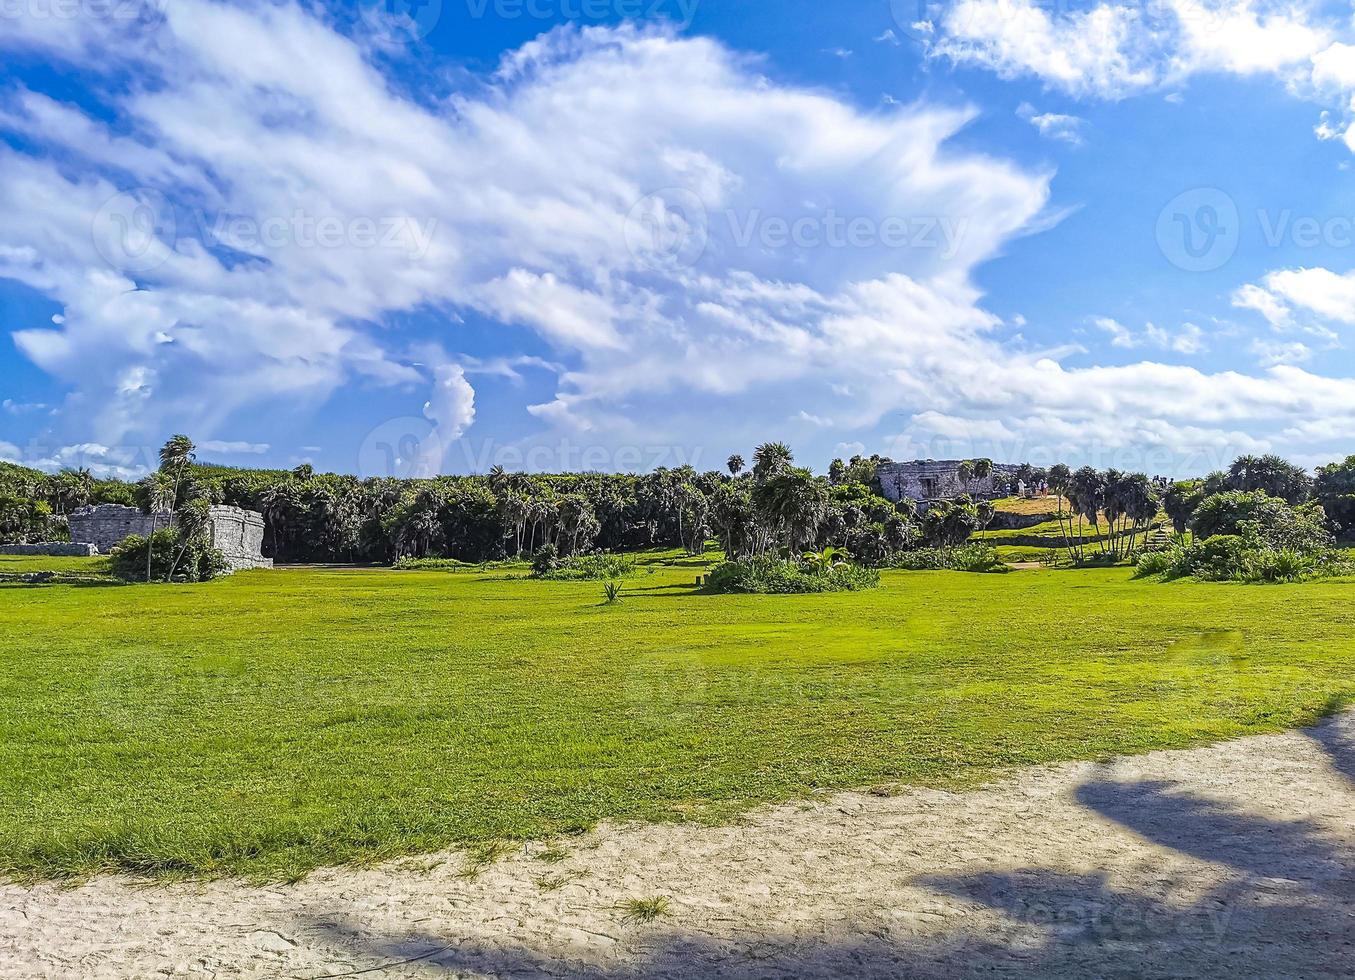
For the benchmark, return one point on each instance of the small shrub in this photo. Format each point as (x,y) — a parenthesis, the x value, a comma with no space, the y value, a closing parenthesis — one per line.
(410,564)
(975,557)
(198,563)
(781,576)
(546,559)
(584,568)
(611,592)
(1159,562)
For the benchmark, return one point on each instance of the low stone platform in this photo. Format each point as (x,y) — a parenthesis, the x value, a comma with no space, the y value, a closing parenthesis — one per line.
(60,549)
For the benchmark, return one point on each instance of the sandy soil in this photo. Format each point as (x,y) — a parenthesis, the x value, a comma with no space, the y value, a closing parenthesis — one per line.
(1234,860)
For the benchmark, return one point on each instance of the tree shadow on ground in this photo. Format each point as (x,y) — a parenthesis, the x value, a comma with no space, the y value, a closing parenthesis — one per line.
(1212,831)
(1335,739)
(681,588)
(1282,909)
(670,955)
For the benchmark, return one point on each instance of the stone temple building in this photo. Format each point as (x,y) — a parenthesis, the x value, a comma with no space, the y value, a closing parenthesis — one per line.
(925,480)
(238,534)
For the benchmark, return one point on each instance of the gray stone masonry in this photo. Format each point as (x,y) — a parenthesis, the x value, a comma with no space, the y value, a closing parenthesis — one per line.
(925,480)
(60,549)
(237,533)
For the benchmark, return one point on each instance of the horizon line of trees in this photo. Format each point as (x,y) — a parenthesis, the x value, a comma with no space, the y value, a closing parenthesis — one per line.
(772,505)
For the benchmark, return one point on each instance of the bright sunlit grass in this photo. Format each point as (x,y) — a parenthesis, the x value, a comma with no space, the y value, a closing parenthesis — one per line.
(276,721)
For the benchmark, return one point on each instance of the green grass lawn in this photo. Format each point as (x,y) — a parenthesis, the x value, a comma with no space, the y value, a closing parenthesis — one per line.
(276,721)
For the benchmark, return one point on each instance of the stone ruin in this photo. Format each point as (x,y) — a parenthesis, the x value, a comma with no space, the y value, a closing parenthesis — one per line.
(60,549)
(925,480)
(236,533)
(107,524)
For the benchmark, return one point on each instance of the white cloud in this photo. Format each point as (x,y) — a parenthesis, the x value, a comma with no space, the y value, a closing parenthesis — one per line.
(451,409)
(1110,50)
(678,333)
(1269,353)
(1120,335)
(21,408)
(1321,291)
(1189,339)
(1053,125)
(1270,306)
(1315,300)
(233,447)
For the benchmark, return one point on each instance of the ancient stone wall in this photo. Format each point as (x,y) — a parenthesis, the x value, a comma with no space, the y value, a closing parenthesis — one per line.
(933,479)
(60,549)
(238,534)
(107,524)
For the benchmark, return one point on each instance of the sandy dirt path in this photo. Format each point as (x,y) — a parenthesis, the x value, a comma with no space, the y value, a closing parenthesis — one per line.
(1235,860)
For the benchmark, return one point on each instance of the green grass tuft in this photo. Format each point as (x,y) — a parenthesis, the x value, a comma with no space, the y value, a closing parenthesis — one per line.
(642,910)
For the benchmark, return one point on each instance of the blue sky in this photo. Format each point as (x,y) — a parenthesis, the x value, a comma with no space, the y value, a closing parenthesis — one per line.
(615,234)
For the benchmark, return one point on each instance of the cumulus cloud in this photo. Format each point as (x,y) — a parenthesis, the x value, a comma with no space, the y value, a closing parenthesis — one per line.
(1315,301)
(1188,339)
(1109,50)
(1053,125)
(1270,352)
(269,214)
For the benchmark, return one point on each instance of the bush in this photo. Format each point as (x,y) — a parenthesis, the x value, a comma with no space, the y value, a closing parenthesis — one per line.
(1243,558)
(974,557)
(409,564)
(198,563)
(1276,524)
(782,576)
(581,568)
(546,559)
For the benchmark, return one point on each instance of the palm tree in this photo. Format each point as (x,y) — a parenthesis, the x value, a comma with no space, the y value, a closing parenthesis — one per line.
(964,473)
(982,468)
(1086,488)
(191,520)
(1115,504)
(158,494)
(735,464)
(72,489)
(1060,481)
(176,455)
(771,458)
(1141,506)
(271,501)
(985,512)
(514,511)
(793,502)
